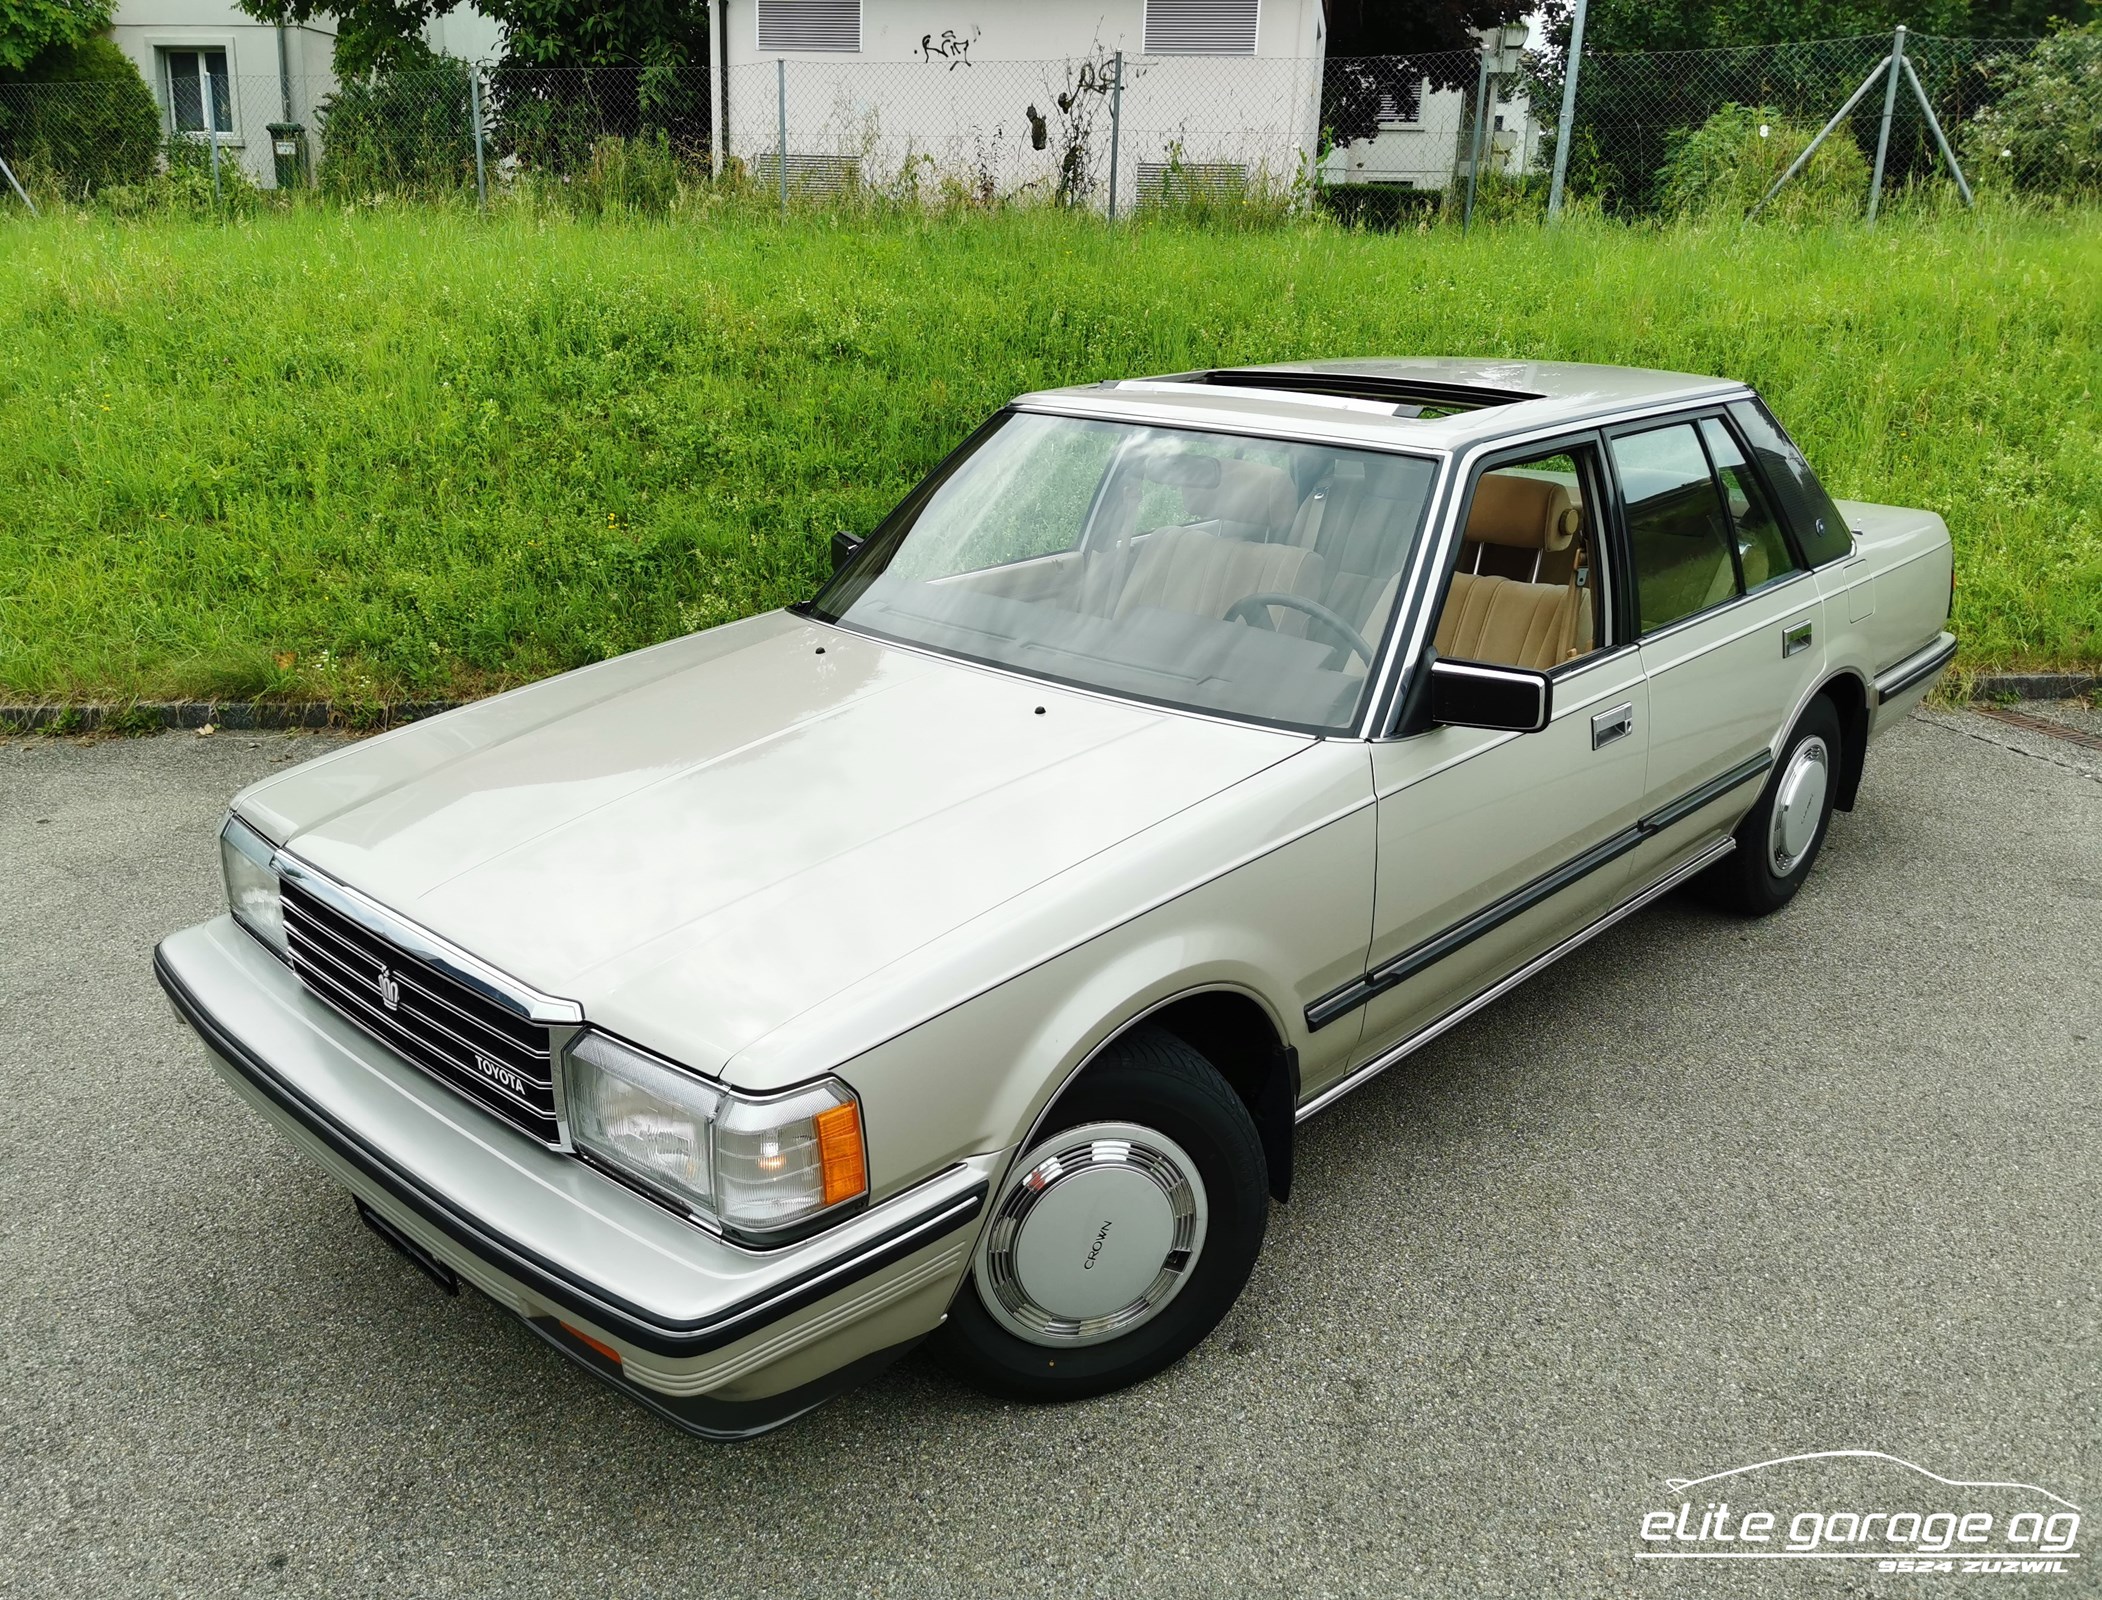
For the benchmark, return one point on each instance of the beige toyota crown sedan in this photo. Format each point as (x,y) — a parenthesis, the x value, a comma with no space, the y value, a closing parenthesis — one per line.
(955,953)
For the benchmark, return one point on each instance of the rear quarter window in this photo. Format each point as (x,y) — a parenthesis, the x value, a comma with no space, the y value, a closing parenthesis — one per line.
(1821,533)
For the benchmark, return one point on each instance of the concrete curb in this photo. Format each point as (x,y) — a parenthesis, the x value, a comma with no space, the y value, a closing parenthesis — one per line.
(2035,685)
(146,716)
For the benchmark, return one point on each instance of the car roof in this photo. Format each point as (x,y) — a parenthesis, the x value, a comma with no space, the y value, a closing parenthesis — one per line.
(1355,401)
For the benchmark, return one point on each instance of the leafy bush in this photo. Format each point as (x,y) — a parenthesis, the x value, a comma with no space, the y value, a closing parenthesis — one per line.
(81,120)
(394,132)
(1503,196)
(181,184)
(1724,166)
(2043,131)
(641,175)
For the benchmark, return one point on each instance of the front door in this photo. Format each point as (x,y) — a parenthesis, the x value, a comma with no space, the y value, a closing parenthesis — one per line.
(1494,845)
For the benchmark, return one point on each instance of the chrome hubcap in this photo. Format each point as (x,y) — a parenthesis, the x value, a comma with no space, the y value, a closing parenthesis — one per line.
(1799,805)
(1096,1231)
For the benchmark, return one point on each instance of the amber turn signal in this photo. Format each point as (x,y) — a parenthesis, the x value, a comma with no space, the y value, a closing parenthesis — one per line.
(839,1152)
(599,1345)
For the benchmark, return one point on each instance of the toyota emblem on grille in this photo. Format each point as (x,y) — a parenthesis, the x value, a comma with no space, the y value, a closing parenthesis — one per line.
(390,989)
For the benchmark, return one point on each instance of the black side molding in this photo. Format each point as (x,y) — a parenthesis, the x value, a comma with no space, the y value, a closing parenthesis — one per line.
(1911,670)
(1338,1003)
(1706,795)
(552,1281)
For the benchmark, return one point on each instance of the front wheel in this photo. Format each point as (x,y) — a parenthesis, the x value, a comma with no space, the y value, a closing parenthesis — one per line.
(1781,835)
(1118,1239)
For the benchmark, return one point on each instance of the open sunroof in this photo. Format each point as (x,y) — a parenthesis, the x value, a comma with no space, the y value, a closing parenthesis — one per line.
(1410,397)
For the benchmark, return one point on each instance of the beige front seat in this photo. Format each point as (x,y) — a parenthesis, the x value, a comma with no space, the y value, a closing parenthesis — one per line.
(1504,620)
(1190,570)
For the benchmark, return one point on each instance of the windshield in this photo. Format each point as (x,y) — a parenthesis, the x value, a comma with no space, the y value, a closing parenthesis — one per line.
(1250,577)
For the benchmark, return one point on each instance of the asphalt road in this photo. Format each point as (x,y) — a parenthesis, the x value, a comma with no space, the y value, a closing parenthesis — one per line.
(1706,1194)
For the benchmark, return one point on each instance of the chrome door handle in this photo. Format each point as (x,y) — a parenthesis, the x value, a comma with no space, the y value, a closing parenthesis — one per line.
(1795,640)
(1610,725)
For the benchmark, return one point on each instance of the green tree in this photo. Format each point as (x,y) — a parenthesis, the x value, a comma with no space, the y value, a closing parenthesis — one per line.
(30,27)
(2043,130)
(80,119)
(575,71)
(659,35)
(1615,25)
(1799,59)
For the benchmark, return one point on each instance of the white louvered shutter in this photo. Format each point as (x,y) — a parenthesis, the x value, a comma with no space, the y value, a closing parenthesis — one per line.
(1200,27)
(809,25)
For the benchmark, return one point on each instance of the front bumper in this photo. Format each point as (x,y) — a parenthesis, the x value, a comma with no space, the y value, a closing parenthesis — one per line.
(722,1340)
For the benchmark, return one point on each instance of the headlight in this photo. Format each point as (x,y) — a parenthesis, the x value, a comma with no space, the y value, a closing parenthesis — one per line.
(252,892)
(753,1166)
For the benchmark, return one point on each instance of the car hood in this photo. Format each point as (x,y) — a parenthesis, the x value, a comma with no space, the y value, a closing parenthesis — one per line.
(701,841)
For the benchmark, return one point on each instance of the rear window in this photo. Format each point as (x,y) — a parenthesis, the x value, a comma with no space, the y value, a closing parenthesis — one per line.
(1820,531)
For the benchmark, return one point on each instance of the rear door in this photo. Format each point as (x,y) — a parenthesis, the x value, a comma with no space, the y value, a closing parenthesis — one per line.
(1731,625)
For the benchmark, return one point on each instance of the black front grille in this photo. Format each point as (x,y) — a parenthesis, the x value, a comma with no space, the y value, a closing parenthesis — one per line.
(461,1037)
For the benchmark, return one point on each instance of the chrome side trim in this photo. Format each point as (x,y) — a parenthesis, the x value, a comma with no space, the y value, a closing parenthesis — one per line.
(1373,1068)
(1921,664)
(446,956)
(1735,602)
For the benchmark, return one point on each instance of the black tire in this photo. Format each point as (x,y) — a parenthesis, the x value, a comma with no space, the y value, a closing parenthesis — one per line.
(1749,880)
(1152,1079)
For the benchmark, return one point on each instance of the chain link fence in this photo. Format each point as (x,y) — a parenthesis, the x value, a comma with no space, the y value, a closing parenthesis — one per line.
(1369,139)
(1713,130)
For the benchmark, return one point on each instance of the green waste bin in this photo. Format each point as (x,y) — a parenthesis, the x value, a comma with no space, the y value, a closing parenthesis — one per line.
(288,149)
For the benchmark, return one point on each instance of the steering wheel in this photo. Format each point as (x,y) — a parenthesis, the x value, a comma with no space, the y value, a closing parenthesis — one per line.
(1254,609)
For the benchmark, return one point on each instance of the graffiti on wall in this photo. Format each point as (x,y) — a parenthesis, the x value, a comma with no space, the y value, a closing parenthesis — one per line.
(948,47)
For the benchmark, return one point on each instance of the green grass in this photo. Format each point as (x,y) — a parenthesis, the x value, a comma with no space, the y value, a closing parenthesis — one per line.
(398,453)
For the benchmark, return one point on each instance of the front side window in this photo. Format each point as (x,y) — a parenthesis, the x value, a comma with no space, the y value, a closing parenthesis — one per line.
(1214,572)
(1678,537)
(1526,591)
(197,80)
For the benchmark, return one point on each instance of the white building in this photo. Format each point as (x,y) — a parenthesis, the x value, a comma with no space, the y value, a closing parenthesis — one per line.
(1425,133)
(215,69)
(1004,98)
(1014,96)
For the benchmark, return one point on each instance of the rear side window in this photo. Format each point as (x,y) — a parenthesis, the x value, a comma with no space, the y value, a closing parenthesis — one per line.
(1820,531)
(1676,527)
(1762,554)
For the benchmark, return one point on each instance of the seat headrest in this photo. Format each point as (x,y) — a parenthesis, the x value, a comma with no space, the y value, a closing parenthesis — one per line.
(1246,492)
(1528,513)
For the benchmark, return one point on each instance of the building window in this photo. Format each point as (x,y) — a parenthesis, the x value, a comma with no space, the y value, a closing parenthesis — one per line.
(809,25)
(1401,102)
(197,79)
(1200,27)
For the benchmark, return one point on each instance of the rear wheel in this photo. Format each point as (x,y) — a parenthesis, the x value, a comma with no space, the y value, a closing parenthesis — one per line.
(1780,837)
(1120,1237)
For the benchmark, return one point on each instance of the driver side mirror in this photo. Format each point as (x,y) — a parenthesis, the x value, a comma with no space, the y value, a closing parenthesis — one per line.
(1471,694)
(844,546)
